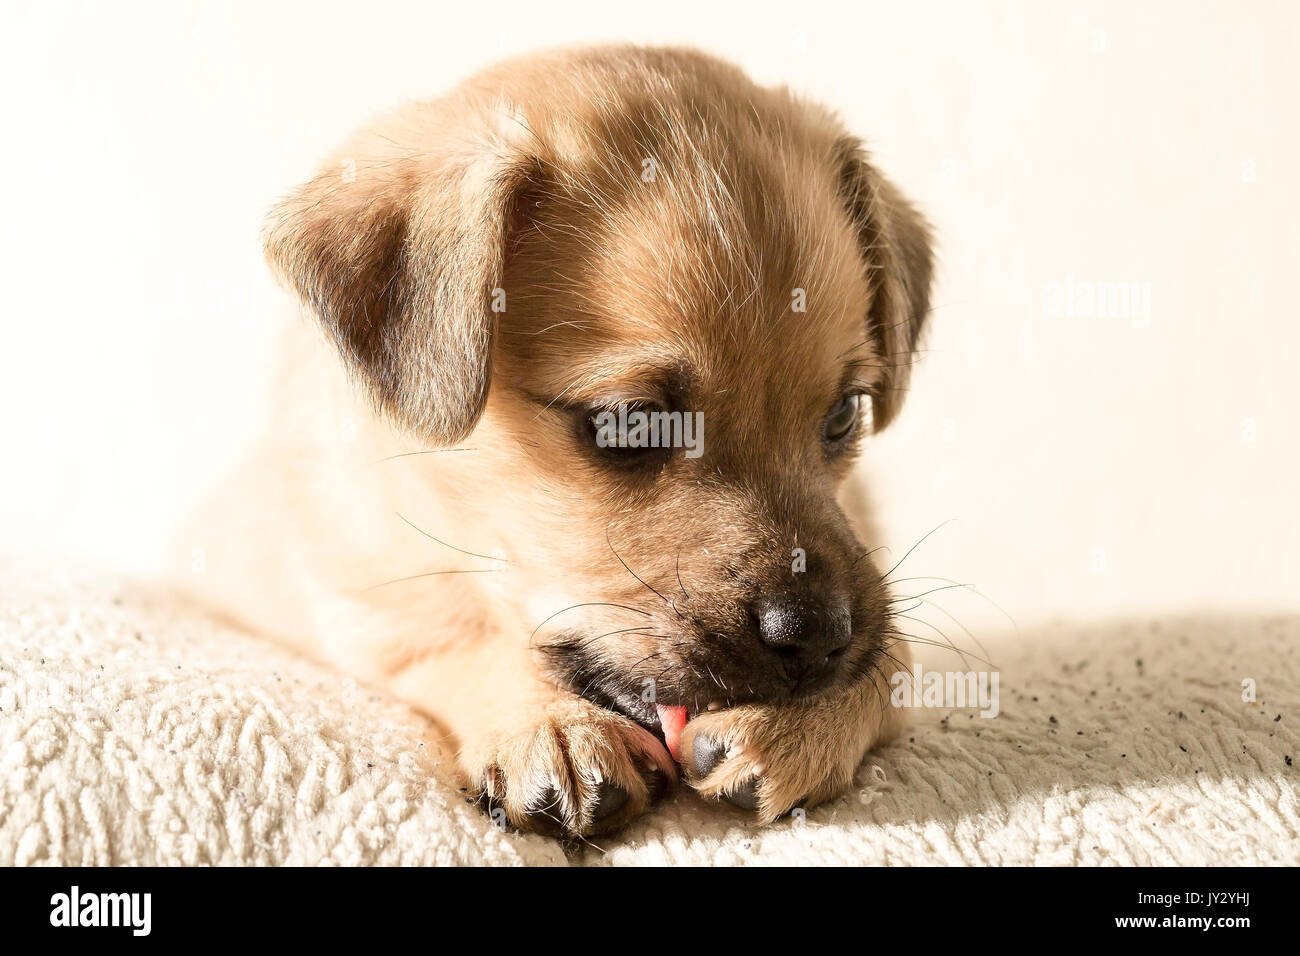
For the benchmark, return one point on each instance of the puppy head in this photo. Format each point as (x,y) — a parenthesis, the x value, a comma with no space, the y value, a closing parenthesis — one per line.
(568,247)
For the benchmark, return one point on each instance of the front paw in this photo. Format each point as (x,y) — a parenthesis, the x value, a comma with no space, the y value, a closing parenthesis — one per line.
(773,758)
(578,770)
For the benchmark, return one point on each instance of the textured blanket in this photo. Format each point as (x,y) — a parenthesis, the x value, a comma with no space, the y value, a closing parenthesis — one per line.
(137,730)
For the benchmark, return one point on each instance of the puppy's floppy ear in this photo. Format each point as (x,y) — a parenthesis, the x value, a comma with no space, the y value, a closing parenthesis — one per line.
(895,242)
(397,246)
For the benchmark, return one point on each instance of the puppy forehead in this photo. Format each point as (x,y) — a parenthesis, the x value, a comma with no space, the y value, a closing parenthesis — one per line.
(633,330)
(691,241)
(655,295)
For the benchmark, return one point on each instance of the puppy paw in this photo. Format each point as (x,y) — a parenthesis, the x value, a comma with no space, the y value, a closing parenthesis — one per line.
(770,759)
(579,770)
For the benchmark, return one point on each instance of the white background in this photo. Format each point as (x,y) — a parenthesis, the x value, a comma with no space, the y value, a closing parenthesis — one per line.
(1093,464)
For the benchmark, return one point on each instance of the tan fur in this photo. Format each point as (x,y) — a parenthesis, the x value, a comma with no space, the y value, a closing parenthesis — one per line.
(530,179)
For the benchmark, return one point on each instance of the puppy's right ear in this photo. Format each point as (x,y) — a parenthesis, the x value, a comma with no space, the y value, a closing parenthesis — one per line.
(896,249)
(397,246)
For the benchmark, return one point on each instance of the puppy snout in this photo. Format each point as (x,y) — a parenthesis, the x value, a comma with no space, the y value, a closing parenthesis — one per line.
(807,634)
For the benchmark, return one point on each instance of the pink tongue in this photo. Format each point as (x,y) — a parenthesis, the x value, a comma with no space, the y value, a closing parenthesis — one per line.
(671,721)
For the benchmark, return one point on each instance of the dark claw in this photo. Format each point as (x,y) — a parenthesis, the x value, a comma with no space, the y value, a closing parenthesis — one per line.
(709,752)
(744,796)
(545,812)
(610,798)
(656,784)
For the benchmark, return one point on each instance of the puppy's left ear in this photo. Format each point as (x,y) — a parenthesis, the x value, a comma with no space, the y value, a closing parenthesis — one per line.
(895,243)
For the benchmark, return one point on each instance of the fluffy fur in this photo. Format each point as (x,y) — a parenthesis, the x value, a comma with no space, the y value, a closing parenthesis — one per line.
(562,233)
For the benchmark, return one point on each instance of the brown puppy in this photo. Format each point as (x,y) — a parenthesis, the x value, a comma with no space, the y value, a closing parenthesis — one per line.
(615,229)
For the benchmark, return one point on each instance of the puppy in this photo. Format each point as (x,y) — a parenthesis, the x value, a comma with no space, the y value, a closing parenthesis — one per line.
(459,512)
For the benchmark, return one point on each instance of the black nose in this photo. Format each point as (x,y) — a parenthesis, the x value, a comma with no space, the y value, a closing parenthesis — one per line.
(806,633)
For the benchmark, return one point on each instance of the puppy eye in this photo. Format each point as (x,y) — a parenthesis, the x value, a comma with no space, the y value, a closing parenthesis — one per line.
(843,417)
(623,435)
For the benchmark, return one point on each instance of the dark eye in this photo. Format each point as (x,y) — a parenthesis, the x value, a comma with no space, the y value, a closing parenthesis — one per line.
(624,435)
(843,417)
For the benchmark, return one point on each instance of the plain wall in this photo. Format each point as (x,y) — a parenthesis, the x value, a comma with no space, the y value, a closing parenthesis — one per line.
(1094,459)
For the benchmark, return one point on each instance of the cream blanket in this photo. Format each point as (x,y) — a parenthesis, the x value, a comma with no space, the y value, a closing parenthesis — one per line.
(135,730)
